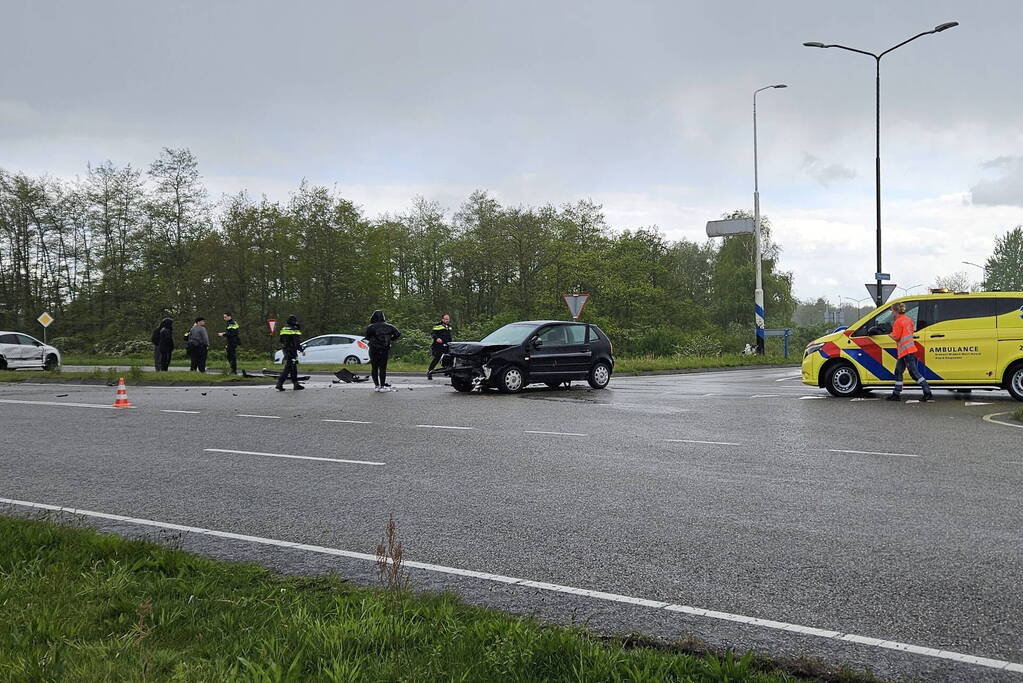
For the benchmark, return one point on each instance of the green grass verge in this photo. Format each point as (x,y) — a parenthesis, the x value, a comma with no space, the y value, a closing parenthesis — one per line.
(80,606)
(1018,414)
(131,376)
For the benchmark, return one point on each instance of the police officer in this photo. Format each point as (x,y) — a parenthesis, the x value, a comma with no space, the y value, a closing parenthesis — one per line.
(441,335)
(291,339)
(230,335)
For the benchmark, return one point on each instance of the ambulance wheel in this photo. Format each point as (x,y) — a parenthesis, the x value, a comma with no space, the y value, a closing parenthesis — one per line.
(842,381)
(1014,381)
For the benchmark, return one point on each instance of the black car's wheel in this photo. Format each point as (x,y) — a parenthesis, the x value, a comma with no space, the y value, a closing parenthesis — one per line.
(511,380)
(462,385)
(600,375)
(352,360)
(842,381)
(1014,381)
(51,363)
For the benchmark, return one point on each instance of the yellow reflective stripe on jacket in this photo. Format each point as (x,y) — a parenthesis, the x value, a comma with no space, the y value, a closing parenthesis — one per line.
(232,326)
(288,330)
(906,342)
(438,328)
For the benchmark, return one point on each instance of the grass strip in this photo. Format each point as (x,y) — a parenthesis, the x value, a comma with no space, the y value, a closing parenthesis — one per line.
(81,606)
(1018,414)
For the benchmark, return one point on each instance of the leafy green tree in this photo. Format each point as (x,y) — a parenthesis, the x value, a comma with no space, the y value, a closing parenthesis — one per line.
(1004,268)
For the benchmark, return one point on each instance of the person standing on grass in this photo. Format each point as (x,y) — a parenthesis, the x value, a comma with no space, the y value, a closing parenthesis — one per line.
(902,332)
(380,334)
(163,344)
(291,346)
(230,335)
(198,345)
(441,335)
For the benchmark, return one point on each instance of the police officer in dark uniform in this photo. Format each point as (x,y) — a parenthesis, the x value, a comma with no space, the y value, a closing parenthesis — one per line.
(231,336)
(441,335)
(291,340)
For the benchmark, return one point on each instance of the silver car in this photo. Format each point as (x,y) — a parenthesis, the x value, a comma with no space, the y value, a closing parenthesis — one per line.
(19,350)
(332,349)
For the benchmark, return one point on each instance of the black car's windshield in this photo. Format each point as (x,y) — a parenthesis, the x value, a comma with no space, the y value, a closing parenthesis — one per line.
(509,334)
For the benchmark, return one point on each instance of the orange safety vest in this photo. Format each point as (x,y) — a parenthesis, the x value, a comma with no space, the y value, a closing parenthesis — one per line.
(902,333)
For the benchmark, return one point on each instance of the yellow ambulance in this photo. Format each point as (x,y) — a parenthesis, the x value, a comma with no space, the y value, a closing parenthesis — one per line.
(964,341)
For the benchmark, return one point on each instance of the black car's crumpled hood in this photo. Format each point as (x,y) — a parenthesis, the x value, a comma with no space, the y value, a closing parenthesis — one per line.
(473,348)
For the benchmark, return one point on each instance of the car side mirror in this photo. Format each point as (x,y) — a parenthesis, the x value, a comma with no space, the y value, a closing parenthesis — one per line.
(537,342)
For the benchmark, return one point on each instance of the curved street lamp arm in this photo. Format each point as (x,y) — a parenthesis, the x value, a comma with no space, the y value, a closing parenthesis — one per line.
(862,52)
(910,40)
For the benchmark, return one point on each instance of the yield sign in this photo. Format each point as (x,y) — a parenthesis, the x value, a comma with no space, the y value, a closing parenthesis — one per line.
(886,290)
(576,303)
(271,323)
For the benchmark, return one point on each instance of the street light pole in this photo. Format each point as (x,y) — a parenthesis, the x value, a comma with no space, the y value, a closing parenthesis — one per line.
(758,293)
(983,270)
(905,290)
(878,297)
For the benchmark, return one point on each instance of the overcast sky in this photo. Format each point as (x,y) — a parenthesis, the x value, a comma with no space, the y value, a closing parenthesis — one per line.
(644,107)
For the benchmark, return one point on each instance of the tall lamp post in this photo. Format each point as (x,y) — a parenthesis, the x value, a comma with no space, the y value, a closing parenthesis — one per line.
(906,290)
(983,269)
(878,298)
(758,294)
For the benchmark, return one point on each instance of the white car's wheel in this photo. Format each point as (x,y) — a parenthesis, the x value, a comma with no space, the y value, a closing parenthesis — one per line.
(352,360)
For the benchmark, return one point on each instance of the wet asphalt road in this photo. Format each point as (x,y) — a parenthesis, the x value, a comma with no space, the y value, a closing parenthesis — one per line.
(742,491)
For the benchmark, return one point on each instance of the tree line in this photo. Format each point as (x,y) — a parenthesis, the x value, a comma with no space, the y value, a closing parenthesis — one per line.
(112,252)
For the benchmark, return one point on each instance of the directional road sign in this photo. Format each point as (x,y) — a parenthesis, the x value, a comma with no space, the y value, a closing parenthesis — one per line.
(733,226)
(576,303)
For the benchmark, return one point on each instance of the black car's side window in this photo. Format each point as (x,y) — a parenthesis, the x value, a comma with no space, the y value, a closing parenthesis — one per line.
(576,334)
(553,336)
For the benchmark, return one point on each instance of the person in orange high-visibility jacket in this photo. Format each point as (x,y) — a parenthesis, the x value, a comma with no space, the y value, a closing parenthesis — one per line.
(902,333)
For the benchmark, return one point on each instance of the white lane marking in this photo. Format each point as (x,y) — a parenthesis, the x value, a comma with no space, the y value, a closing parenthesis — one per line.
(988,662)
(443,427)
(811,398)
(351,422)
(59,403)
(977,403)
(991,418)
(864,399)
(901,455)
(186,412)
(264,417)
(556,433)
(765,395)
(712,443)
(295,457)
(789,378)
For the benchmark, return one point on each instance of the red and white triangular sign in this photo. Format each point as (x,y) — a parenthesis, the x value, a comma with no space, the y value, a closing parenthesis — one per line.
(576,303)
(271,323)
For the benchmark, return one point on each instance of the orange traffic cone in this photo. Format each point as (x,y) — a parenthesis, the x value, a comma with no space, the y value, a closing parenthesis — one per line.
(122,395)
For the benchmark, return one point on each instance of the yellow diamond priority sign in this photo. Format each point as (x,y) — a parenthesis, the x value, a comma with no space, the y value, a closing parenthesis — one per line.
(45,319)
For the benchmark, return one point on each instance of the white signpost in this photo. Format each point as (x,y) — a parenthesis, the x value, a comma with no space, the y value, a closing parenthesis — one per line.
(746,226)
(576,303)
(45,319)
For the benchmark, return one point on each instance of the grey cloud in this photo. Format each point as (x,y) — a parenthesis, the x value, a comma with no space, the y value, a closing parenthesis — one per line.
(1006,190)
(825,174)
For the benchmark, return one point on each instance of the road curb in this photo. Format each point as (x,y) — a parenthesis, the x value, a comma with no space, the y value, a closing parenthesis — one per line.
(133,383)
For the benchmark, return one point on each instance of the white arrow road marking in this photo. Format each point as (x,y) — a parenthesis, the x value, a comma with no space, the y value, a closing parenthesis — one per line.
(991,418)
(296,457)
(998,664)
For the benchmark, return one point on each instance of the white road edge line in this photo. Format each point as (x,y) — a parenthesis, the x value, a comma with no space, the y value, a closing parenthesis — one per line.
(296,457)
(988,662)
(443,427)
(991,418)
(59,403)
(186,412)
(901,455)
(712,443)
(555,433)
(351,422)
(264,417)
(765,396)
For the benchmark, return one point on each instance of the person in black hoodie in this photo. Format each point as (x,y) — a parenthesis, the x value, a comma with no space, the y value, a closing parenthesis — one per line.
(163,344)
(380,334)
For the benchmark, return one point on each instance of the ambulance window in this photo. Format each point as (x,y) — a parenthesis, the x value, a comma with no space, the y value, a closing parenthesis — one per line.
(1007,304)
(961,309)
(882,322)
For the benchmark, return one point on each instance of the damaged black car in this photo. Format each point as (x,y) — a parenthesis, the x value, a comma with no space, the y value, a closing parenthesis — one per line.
(547,352)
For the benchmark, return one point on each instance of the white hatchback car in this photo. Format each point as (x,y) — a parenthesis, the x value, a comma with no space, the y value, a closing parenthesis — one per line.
(332,349)
(19,350)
